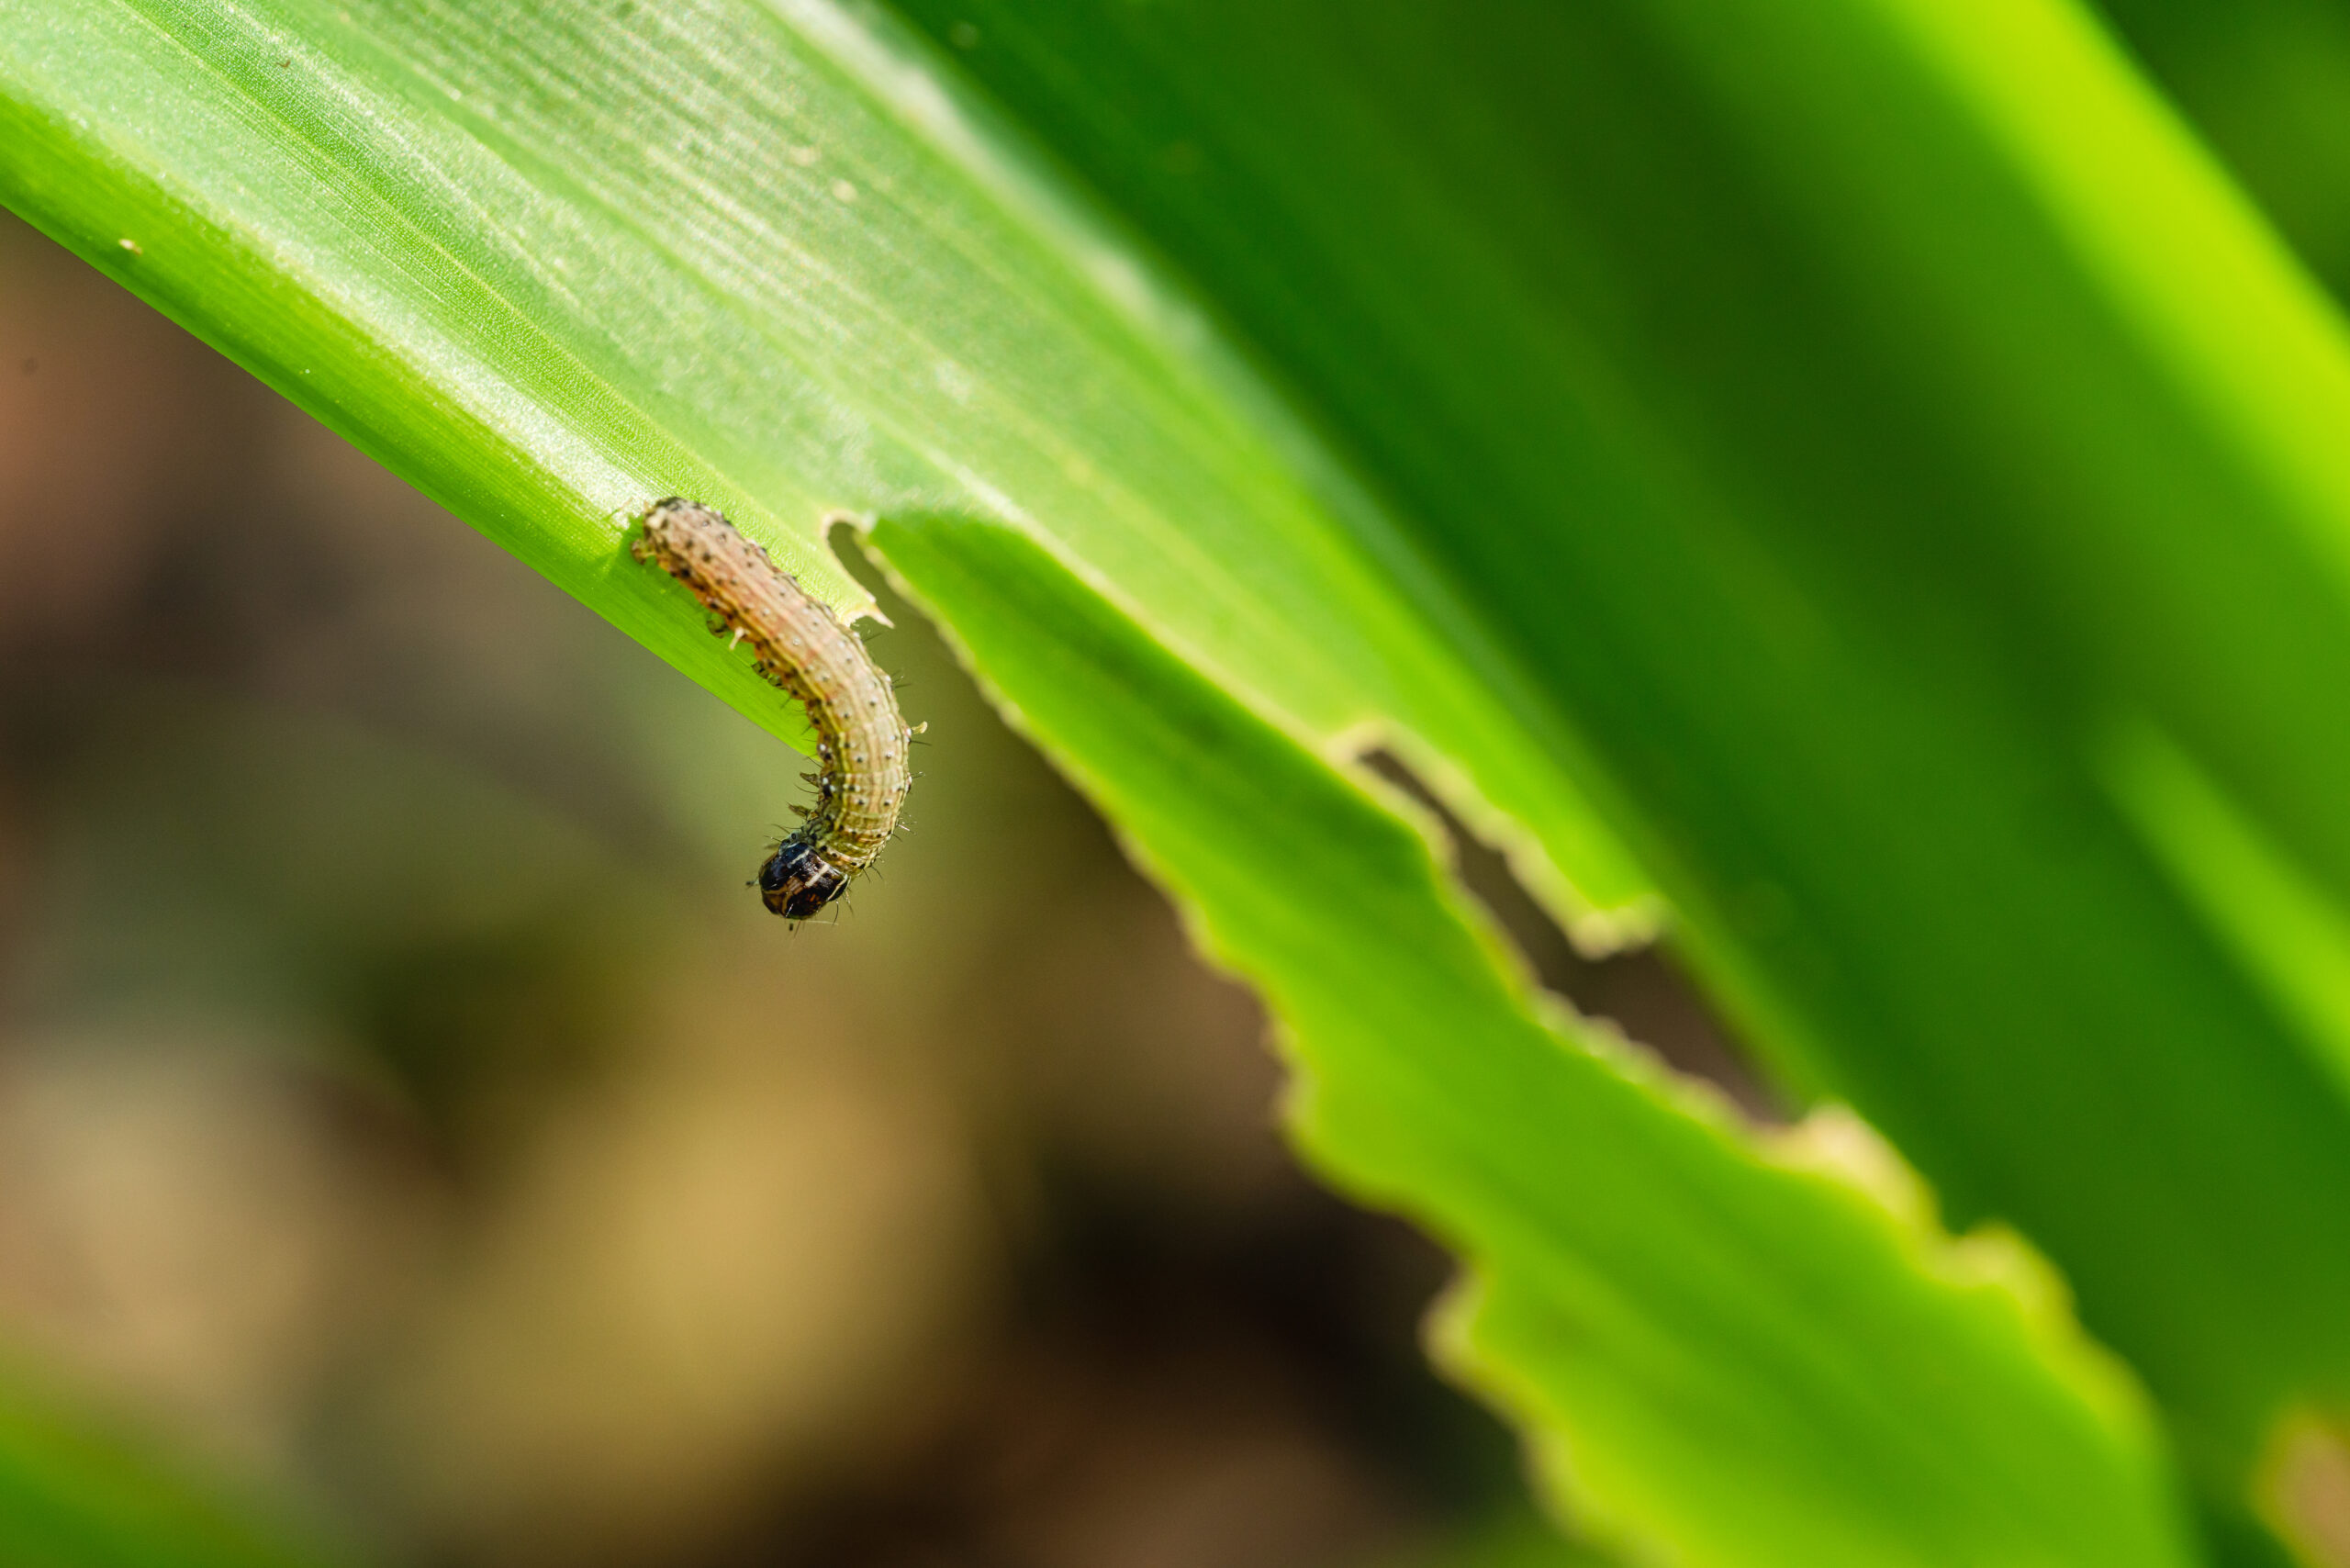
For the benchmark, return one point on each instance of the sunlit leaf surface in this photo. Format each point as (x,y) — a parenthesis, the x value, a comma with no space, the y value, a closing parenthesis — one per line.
(1791,442)
(1736,1358)
(1857,415)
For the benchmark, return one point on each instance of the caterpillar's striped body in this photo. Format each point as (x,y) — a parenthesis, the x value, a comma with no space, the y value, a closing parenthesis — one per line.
(861,773)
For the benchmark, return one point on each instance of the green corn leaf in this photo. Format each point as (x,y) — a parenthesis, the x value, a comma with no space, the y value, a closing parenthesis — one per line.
(1782,440)
(1857,414)
(2267,82)
(1733,1359)
(555,264)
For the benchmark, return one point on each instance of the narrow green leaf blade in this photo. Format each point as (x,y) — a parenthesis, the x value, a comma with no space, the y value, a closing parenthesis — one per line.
(554,263)
(1745,1362)
(1851,412)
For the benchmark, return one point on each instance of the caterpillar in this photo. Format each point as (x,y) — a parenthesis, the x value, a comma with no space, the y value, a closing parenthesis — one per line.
(861,776)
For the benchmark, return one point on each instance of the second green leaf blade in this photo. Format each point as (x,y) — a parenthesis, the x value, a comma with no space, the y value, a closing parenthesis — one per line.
(1742,1364)
(553,261)
(1855,415)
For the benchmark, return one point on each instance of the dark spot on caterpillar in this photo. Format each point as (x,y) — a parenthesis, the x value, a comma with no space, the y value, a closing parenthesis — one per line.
(799,645)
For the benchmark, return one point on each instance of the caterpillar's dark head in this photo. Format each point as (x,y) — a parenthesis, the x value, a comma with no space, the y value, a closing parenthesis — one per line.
(796,880)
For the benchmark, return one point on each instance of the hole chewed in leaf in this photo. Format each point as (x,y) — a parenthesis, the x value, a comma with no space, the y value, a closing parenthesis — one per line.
(1641,992)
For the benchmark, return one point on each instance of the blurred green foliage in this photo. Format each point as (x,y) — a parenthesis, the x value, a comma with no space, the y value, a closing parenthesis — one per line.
(75,1495)
(1859,479)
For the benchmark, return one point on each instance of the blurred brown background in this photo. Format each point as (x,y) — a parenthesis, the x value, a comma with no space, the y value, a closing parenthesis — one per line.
(406,1112)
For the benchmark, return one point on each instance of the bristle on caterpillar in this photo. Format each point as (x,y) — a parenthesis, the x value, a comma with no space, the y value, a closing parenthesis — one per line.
(801,646)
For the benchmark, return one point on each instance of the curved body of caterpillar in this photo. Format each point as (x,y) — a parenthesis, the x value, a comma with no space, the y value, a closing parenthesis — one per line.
(861,775)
